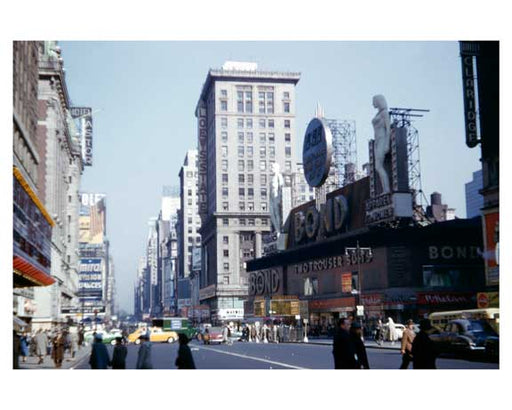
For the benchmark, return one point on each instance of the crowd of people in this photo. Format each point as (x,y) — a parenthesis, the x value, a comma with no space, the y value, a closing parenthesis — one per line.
(349,351)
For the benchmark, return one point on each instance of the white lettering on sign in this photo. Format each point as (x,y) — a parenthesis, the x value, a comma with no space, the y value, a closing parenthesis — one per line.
(453,252)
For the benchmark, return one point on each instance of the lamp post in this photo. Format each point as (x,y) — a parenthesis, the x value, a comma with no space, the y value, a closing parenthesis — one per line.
(360,254)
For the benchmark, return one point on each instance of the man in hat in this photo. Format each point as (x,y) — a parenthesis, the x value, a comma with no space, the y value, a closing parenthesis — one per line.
(407,339)
(99,354)
(423,348)
(343,348)
(356,336)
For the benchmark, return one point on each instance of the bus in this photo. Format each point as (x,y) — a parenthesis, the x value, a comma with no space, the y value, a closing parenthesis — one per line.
(176,324)
(492,315)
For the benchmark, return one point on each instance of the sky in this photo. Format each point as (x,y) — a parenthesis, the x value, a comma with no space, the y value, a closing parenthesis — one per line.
(145,93)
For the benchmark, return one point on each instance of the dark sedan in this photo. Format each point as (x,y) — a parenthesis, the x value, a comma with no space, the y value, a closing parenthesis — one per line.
(464,336)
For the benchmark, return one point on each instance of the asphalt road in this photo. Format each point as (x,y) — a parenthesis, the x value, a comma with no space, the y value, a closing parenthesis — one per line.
(274,356)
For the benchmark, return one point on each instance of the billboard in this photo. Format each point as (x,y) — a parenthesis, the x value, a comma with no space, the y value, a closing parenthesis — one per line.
(92,218)
(91,279)
(83,118)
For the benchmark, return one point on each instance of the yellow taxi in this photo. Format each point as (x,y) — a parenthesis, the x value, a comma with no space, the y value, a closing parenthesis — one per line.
(156,334)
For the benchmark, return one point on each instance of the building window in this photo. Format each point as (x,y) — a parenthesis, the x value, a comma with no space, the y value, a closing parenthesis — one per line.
(250,179)
(250,193)
(286,95)
(250,206)
(271,123)
(288,138)
(250,165)
(225,253)
(225,280)
(241,206)
(224,136)
(240,151)
(288,166)
(224,164)
(225,221)
(264,222)
(223,105)
(241,192)
(240,122)
(224,179)
(263,179)
(224,93)
(225,207)
(189,192)
(242,221)
(286,106)
(261,122)
(263,138)
(271,137)
(263,153)
(263,165)
(248,123)
(224,151)
(287,123)
(263,206)
(250,152)
(226,267)
(288,152)
(272,152)
(251,222)
(264,193)
(224,122)
(225,240)
(249,137)
(225,193)
(241,179)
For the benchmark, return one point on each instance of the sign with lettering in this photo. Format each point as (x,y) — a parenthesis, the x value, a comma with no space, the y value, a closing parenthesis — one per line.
(83,115)
(91,278)
(468,51)
(317,152)
(202,159)
(265,282)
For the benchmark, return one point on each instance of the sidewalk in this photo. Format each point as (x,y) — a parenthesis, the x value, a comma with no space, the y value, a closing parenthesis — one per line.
(68,363)
(367,343)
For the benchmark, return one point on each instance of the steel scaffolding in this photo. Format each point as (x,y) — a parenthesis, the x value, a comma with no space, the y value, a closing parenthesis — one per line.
(344,144)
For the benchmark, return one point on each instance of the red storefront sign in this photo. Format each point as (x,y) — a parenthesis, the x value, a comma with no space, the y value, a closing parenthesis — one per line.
(372,299)
(444,298)
(331,303)
(346,282)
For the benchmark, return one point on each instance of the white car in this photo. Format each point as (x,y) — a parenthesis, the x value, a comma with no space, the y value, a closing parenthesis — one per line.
(399,328)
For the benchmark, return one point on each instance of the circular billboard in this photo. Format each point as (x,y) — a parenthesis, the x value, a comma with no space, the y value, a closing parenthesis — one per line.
(317,152)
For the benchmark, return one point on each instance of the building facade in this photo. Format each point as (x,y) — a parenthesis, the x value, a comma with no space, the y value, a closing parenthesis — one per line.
(246,124)
(474,199)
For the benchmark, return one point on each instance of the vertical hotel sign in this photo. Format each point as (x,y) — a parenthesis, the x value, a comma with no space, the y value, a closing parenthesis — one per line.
(469,50)
(202,162)
(84,117)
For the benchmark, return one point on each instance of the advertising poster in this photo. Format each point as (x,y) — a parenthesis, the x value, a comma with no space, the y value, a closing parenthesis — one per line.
(92,218)
(91,279)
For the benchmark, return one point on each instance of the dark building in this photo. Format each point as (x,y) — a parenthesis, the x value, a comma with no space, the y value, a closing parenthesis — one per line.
(403,272)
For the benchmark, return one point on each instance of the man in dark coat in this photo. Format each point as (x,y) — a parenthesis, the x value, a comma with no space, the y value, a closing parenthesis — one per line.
(423,348)
(184,359)
(342,347)
(99,354)
(119,355)
(357,339)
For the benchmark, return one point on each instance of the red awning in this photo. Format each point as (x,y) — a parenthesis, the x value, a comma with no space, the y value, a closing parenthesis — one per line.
(28,271)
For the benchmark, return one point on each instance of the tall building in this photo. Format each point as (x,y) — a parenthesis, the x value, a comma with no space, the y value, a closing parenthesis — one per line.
(437,211)
(474,199)
(246,124)
(60,154)
(32,223)
(301,191)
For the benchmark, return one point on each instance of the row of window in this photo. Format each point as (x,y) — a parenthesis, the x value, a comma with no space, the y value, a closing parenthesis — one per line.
(248,165)
(248,137)
(242,207)
(244,101)
(262,123)
(245,222)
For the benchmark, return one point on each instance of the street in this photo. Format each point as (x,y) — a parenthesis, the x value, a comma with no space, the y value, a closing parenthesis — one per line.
(274,356)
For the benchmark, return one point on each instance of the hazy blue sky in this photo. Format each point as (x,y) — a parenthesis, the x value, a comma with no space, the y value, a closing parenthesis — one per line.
(147,93)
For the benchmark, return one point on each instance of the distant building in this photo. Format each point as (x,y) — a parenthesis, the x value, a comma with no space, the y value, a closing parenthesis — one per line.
(301,191)
(437,211)
(474,199)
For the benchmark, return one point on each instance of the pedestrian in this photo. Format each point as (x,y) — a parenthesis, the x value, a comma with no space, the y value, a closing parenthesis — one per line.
(58,349)
(407,340)
(81,336)
(73,343)
(144,360)
(393,336)
(119,354)
(24,346)
(99,358)
(357,339)
(423,349)
(16,347)
(41,340)
(252,333)
(342,347)
(184,359)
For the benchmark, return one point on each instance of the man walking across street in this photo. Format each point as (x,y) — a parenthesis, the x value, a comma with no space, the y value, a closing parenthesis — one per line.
(144,360)
(41,345)
(119,355)
(423,348)
(99,354)
(342,347)
(407,339)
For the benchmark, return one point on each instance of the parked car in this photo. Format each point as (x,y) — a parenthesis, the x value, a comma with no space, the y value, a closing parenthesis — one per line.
(156,334)
(466,336)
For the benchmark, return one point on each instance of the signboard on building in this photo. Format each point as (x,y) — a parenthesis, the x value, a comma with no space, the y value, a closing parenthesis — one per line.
(317,152)
(83,117)
(468,51)
(491,245)
(266,281)
(346,282)
(196,259)
(92,219)
(230,314)
(207,292)
(202,131)
(91,279)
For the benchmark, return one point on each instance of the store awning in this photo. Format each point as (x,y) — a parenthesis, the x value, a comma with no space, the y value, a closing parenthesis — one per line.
(18,323)
(29,272)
